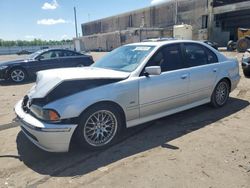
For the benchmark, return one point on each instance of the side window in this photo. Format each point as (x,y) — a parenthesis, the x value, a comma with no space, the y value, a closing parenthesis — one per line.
(212,57)
(61,53)
(156,60)
(49,55)
(172,58)
(195,55)
(69,54)
(76,54)
(169,58)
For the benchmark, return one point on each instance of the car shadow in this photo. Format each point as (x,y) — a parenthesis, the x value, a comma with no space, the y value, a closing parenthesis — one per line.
(135,140)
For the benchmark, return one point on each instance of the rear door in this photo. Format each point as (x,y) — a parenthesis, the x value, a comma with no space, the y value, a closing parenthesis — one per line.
(71,59)
(203,68)
(167,91)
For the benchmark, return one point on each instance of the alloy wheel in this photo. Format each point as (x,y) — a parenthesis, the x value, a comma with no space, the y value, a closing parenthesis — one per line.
(17,75)
(100,128)
(221,94)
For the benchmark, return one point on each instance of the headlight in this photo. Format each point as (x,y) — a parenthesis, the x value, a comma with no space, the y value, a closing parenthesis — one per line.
(45,114)
(3,67)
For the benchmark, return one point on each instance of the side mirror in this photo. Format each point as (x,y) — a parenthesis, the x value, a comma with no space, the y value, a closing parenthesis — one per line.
(153,70)
(248,50)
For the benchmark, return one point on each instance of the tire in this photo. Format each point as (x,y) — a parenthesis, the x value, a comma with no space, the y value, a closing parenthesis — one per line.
(243,44)
(220,94)
(246,73)
(17,75)
(231,46)
(91,132)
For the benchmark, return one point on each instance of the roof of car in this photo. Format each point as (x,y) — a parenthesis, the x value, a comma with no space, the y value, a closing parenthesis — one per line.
(164,42)
(49,49)
(56,49)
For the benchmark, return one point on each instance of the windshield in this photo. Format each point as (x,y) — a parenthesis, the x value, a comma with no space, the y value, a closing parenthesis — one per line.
(125,58)
(35,54)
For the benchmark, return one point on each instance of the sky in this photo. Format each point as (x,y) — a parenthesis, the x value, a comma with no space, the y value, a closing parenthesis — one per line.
(54,19)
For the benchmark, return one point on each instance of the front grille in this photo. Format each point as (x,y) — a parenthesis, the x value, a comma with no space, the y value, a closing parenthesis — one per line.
(25,104)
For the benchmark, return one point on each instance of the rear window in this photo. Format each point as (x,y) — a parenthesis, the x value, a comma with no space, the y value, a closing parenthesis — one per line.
(195,55)
(212,57)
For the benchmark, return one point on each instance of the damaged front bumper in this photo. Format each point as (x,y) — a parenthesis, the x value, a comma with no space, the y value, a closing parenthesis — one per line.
(49,137)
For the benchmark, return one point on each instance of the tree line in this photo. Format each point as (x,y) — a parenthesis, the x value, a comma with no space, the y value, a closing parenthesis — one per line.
(35,42)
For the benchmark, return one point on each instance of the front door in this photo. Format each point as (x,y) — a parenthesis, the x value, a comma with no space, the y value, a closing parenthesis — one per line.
(47,60)
(168,91)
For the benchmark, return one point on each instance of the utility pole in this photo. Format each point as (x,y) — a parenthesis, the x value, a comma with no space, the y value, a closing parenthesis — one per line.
(75,22)
(176,12)
(210,19)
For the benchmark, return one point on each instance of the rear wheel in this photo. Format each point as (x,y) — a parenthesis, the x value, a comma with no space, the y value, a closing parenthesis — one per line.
(220,94)
(99,127)
(243,44)
(17,75)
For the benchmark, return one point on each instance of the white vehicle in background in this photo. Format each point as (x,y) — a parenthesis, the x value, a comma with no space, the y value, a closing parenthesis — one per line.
(133,84)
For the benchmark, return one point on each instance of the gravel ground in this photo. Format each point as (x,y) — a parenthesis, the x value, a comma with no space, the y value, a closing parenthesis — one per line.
(201,147)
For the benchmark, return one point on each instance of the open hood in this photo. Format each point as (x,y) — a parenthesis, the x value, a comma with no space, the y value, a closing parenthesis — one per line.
(49,79)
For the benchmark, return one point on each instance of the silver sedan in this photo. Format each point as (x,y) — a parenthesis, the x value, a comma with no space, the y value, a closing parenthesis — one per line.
(133,84)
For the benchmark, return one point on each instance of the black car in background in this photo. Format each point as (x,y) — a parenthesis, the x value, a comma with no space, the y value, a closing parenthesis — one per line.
(20,70)
(246,63)
(23,52)
(212,44)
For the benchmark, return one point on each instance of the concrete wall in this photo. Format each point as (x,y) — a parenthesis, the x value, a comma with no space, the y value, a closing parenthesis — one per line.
(161,16)
(103,42)
(191,12)
(199,13)
(111,40)
(154,21)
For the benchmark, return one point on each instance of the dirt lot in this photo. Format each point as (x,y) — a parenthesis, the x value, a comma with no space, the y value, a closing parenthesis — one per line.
(201,147)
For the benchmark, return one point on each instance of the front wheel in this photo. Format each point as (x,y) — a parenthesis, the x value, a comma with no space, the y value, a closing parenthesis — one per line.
(99,127)
(17,75)
(220,94)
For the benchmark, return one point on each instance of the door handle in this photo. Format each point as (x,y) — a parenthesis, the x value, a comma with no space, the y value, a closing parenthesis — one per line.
(184,76)
(215,70)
